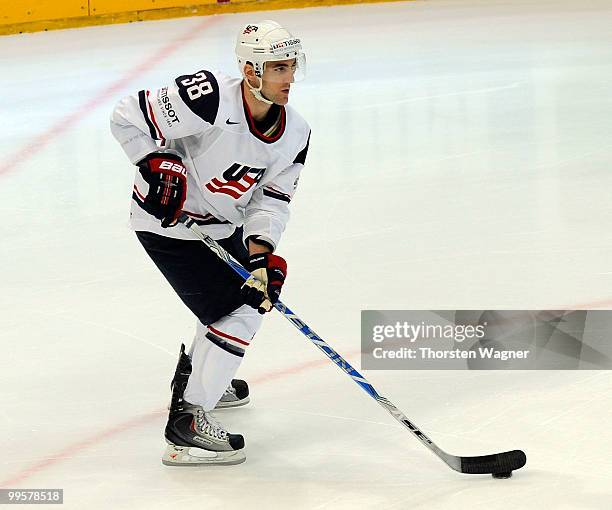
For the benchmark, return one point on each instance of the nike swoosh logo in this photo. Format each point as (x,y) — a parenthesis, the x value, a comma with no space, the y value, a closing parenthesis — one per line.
(230,122)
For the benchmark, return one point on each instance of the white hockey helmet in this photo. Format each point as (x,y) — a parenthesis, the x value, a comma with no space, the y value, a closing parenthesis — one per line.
(268,41)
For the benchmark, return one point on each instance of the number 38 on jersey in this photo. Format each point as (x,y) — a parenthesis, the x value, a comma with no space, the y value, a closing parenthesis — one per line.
(197,86)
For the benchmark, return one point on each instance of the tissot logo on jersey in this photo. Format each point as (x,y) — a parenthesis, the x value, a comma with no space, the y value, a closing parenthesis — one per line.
(166,107)
(238,180)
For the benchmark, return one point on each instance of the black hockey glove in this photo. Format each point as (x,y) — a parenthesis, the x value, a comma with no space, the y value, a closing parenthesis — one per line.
(268,273)
(167,180)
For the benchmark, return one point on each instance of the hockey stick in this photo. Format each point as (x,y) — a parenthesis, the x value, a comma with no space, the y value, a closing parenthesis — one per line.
(500,465)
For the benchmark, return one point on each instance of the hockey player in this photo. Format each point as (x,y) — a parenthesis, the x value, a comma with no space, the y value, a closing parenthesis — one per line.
(227,152)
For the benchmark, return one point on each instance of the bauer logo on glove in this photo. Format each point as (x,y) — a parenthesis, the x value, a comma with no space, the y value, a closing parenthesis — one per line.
(263,288)
(166,176)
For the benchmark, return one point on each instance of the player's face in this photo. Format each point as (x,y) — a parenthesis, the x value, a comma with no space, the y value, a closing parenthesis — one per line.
(277,79)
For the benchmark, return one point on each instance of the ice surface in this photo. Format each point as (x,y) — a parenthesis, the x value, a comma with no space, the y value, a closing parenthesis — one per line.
(460,158)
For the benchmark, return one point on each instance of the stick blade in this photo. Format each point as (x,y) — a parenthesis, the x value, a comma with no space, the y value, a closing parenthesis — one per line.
(497,463)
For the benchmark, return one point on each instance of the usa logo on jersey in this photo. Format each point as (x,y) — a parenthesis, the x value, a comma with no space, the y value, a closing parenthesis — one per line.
(238,180)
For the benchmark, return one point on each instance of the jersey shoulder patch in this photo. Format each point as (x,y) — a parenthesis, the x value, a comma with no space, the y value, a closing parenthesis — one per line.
(200,92)
(301,157)
(300,134)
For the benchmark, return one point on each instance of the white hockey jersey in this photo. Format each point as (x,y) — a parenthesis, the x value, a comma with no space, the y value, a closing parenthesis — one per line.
(235,174)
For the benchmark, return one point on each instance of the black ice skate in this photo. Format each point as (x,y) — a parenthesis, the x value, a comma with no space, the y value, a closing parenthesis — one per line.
(194,437)
(236,395)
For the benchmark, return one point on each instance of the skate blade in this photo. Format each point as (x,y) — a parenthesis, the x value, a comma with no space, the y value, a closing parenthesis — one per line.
(227,405)
(235,403)
(186,456)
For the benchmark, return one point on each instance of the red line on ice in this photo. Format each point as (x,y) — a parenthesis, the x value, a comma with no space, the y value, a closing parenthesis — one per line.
(39,142)
(74,448)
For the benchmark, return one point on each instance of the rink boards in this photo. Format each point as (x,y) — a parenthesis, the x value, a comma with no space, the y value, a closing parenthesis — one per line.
(39,15)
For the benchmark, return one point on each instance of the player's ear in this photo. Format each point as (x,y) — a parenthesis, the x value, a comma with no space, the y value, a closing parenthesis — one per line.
(249,73)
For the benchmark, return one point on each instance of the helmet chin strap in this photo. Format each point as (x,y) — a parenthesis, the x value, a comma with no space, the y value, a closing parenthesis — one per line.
(257,91)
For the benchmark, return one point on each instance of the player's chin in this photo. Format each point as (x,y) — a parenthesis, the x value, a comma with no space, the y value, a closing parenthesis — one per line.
(282,98)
